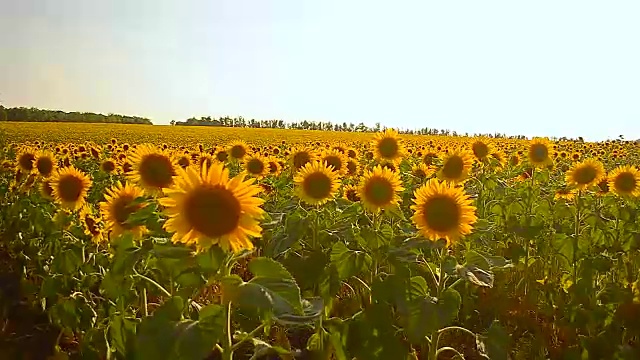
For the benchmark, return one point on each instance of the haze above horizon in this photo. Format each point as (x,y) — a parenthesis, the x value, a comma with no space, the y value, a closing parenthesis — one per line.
(547,68)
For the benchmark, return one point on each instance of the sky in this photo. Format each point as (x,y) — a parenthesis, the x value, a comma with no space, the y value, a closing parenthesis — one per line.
(536,68)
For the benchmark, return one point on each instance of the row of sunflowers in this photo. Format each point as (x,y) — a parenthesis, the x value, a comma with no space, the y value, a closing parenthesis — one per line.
(392,247)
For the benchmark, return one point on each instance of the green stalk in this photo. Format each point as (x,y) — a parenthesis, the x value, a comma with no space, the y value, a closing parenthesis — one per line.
(433,348)
(575,238)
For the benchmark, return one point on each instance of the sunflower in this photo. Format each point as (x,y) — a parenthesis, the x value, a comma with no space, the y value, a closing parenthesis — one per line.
(379,187)
(153,169)
(625,181)
(429,157)
(585,174)
(456,166)
(443,211)
(222,155)
(108,166)
(25,158)
(183,161)
(122,200)
(336,159)
(481,149)
(388,146)
(206,160)
(350,192)
(273,165)
(256,165)
(421,171)
(237,150)
(90,224)
(565,193)
(538,152)
(351,153)
(352,167)
(207,208)
(603,187)
(46,190)
(300,156)
(70,187)
(45,163)
(316,183)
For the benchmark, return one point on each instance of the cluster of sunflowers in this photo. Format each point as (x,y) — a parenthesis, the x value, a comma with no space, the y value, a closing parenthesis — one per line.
(214,195)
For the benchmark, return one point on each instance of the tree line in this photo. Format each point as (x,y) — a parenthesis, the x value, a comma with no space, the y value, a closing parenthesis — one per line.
(241,122)
(41,115)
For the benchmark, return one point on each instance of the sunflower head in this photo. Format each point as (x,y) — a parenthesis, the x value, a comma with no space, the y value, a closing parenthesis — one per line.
(46,190)
(585,174)
(564,193)
(206,207)
(350,192)
(336,159)
(388,146)
(45,163)
(70,187)
(25,158)
(539,152)
(184,161)
(443,211)
(256,165)
(237,150)
(625,181)
(429,157)
(300,157)
(481,149)
(421,171)
(273,166)
(379,188)
(109,166)
(456,165)
(153,169)
(121,201)
(91,224)
(316,183)
(352,167)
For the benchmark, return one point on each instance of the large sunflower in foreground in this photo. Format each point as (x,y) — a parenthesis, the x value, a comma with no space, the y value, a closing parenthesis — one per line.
(585,174)
(388,146)
(119,205)
(207,208)
(152,168)
(316,183)
(70,187)
(539,152)
(379,188)
(456,166)
(45,163)
(443,211)
(625,181)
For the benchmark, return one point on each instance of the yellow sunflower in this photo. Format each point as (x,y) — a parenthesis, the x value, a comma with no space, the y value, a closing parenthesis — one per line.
(443,211)
(45,163)
(336,159)
(273,165)
(585,174)
(109,166)
(121,202)
(350,192)
(46,190)
(539,153)
(207,208)
(625,181)
(481,149)
(184,161)
(70,187)
(379,188)
(90,224)
(256,166)
(565,193)
(421,171)
(237,150)
(456,166)
(300,156)
(388,146)
(316,183)
(429,157)
(352,167)
(153,169)
(25,158)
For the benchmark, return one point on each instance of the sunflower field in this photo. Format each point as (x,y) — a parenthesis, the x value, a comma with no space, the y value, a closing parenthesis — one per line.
(127,242)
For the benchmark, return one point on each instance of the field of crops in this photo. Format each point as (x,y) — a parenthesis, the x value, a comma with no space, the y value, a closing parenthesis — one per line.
(158,242)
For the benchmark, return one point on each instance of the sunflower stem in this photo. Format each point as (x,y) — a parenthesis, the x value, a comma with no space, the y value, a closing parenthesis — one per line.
(435,335)
(575,238)
(527,242)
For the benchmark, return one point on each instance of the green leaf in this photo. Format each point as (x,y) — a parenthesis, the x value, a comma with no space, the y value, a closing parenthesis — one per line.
(211,260)
(494,344)
(563,245)
(197,338)
(349,262)
(475,258)
(171,251)
(272,288)
(312,311)
(122,333)
(430,314)
(262,349)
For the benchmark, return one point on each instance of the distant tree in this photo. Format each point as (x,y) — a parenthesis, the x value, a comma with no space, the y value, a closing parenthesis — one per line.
(3,114)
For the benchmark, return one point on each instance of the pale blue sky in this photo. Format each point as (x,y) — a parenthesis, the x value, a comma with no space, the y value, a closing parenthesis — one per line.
(552,67)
